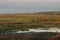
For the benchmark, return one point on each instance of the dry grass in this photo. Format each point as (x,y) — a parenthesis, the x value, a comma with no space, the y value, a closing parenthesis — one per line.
(53,17)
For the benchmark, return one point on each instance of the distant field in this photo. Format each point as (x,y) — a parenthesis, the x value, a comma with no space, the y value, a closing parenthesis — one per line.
(41,18)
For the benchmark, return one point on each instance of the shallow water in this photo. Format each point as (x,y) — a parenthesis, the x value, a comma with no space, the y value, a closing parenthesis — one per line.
(41,30)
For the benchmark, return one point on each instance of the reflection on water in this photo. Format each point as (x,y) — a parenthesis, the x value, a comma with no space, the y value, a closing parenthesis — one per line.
(41,30)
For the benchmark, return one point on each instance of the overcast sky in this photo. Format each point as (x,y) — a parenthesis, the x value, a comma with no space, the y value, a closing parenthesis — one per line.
(27,0)
(28,5)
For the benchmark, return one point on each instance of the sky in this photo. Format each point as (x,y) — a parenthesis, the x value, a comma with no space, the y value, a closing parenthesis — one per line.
(29,0)
(28,5)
